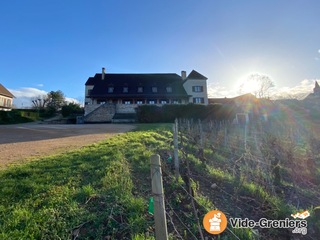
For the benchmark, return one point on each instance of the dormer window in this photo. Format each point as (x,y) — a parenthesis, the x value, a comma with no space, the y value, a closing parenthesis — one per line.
(140,90)
(125,89)
(110,89)
(169,89)
(154,89)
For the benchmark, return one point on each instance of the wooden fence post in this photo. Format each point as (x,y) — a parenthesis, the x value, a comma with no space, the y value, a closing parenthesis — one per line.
(225,136)
(200,134)
(175,152)
(158,196)
(245,136)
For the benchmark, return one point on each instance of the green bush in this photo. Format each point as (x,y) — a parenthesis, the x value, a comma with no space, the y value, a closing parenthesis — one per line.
(17,116)
(71,109)
(168,113)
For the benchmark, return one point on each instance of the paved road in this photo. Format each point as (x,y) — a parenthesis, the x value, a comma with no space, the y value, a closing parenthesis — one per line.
(21,142)
(34,131)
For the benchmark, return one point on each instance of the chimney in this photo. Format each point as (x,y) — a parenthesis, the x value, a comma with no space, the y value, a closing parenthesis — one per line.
(103,73)
(183,75)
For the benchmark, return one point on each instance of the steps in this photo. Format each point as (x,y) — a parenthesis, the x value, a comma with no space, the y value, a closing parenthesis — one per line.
(103,113)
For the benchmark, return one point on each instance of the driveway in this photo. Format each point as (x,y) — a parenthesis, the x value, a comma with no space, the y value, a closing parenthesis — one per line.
(23,141)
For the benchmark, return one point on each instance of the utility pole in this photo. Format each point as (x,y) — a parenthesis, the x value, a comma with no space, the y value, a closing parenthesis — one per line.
(158,196)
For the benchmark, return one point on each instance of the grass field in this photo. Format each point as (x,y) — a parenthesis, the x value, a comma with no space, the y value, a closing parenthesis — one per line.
(102,192)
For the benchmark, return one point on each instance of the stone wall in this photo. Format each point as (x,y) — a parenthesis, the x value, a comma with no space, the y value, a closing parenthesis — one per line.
(126,108)
(90,108)
(102,113)
(105,112)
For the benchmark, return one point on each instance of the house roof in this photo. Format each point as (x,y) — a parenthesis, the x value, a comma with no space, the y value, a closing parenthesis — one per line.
(5,92)
(132,81)
(247,102)
(195,75)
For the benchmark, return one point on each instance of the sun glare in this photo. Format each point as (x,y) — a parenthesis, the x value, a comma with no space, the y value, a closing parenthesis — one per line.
(249,86)
(256,83)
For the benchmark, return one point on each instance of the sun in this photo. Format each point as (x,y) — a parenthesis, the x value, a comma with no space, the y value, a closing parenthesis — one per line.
(257,84)
(249,85)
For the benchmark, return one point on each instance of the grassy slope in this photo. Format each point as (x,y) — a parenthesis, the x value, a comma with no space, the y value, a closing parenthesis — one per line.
(102,191)
(47,198)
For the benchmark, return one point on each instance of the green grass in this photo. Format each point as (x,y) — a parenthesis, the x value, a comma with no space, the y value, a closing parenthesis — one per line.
(47,198)
(102,191)
(154,127)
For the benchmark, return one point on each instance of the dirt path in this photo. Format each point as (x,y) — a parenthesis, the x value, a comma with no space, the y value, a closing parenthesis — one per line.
(24,141)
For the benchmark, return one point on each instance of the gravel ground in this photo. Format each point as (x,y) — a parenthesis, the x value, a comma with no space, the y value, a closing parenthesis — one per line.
(21,142)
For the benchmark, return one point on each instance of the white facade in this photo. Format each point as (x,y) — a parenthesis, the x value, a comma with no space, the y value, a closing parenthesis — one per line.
(197,89)
(5,103)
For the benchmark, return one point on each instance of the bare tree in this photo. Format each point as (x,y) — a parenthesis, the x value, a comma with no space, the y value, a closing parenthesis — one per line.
(40,102)
(264,84)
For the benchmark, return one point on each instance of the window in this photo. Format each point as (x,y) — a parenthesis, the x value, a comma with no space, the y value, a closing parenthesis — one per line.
(169,89)
(125,89)
(198,100)
(89,91)
(197,88)
(154,89)
(139,102)
(110,89)
(175,101)
(163,101)
(127,102)
(152,102)
(140,89)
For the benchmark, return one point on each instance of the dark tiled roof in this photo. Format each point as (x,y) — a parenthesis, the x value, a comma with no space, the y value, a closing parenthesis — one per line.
(5,92)
(195,75)
(133,81)
(90,81)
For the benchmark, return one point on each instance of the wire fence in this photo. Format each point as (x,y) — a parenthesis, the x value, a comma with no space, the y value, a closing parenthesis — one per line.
(249,152)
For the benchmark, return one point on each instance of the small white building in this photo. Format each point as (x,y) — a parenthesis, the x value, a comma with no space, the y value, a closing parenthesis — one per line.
(6,99)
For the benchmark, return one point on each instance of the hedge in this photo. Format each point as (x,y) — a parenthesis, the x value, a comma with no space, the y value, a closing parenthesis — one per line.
(167,113)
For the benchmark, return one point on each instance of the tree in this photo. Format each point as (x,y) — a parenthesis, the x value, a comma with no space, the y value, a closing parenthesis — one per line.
(70,109)
(262,84)
(49,104)
(56,100)
(39,102)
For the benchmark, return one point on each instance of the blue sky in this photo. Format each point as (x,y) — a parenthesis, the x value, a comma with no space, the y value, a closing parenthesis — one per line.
(56,44)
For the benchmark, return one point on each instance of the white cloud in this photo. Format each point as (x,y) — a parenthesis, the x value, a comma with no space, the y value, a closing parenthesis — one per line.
(27,92)
(299,92)
(215,90)
(23,97)
(40,85)
(72,100)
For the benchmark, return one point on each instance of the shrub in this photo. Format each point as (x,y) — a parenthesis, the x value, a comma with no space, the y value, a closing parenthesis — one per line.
(168,113)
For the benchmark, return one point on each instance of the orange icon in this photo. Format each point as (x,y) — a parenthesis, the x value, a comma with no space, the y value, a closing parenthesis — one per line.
(215,222)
